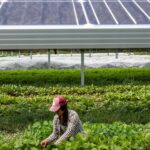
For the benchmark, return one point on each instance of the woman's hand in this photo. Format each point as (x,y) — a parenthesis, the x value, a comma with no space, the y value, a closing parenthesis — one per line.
(44,143)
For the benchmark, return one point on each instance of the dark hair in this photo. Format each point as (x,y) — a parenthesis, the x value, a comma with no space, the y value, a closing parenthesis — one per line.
(64,118)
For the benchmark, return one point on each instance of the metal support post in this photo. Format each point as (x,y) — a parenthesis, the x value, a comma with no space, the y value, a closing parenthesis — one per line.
(90,53)
(49,60)
(12,53)
(31,54)
(117,54)
(19,54)
(82,67)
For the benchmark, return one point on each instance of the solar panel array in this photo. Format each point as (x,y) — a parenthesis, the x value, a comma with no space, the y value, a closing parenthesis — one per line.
(74,12)
(75,24)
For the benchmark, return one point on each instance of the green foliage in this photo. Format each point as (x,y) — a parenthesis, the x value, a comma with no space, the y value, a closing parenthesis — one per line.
(115,110)
(98,136)
(22,105)
(72,76)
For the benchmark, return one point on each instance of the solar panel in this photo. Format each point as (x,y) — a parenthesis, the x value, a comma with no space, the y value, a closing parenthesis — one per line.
(76,24)
(74,12)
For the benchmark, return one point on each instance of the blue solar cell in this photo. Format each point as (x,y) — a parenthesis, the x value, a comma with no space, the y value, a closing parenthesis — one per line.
(90,13)
(55,1)
(13,13)
(58,13)
(33,13)
(74,12)
(136,13)
(80,14)
(145,6)
(121,15)
(103,14)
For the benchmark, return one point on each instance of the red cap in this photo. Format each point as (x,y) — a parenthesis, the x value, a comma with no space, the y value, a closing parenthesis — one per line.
(57,103)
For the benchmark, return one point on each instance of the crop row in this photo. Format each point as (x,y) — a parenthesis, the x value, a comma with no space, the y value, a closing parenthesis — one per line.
(22,105)
(100,136)
(115,96)
(72,76)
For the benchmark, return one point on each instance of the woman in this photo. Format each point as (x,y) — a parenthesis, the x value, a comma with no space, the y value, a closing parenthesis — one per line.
(66,123)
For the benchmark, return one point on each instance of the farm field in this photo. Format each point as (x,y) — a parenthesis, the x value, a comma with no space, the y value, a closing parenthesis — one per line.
(114,107)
